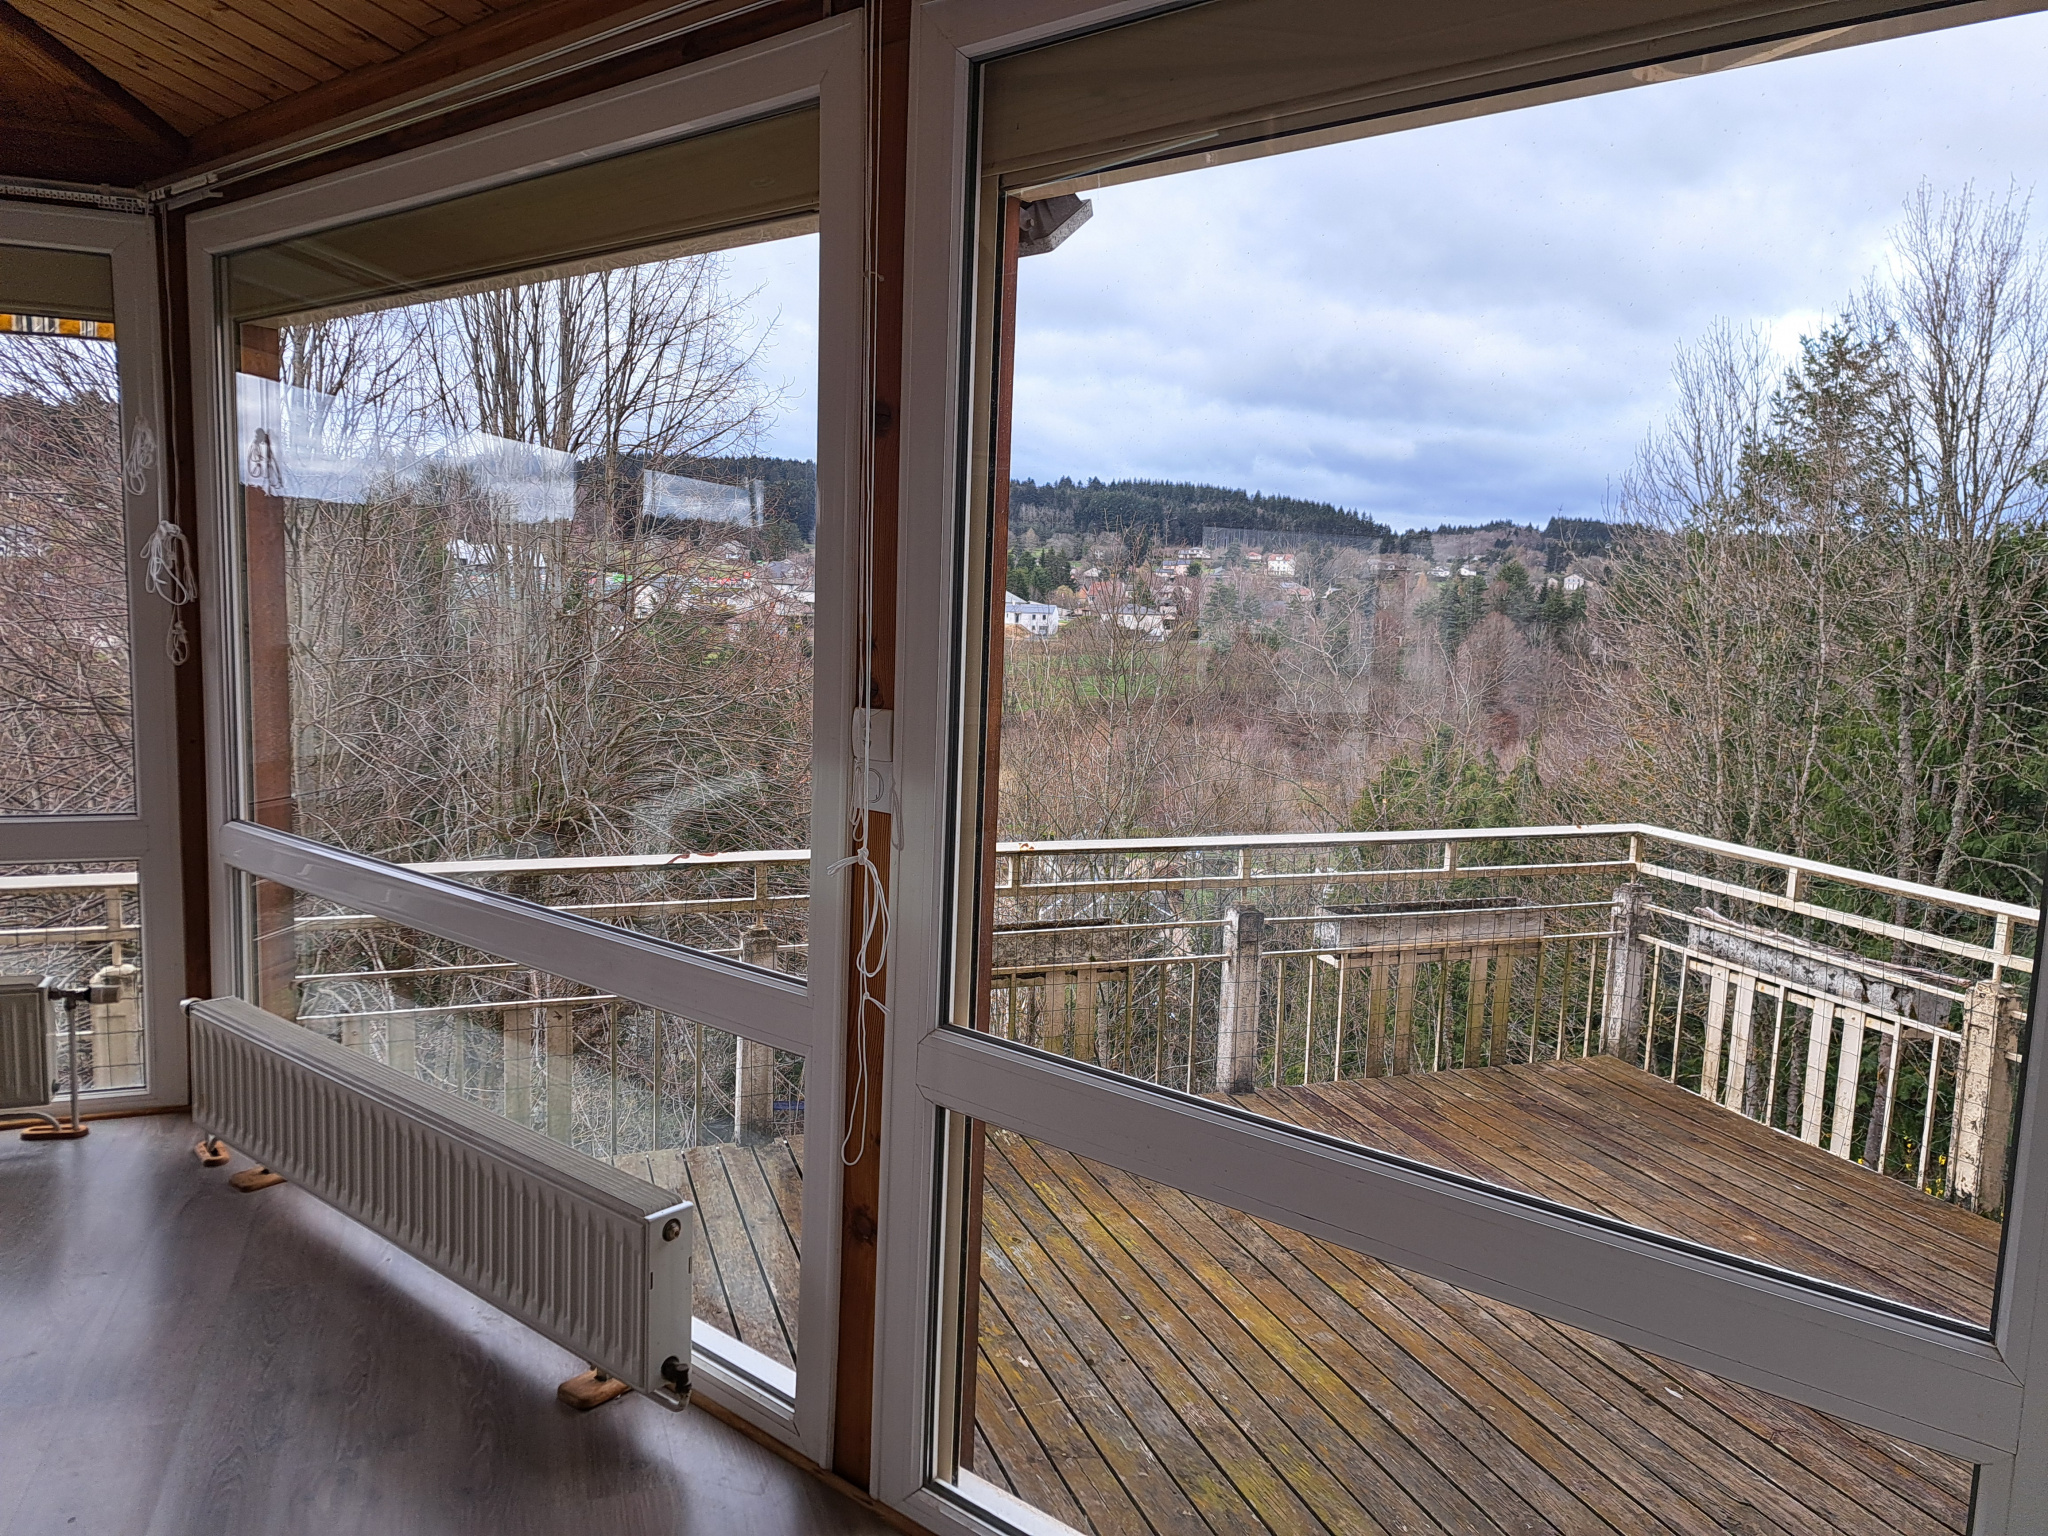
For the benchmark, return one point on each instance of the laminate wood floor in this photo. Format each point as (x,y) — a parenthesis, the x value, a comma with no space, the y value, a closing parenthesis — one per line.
(178,1359)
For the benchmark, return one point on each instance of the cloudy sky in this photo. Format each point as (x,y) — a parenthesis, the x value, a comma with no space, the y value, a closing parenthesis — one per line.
(1475,320)
(1478,320)
(782,277)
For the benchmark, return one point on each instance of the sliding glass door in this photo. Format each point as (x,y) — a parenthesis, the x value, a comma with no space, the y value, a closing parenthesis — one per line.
(93,629)
(536,501)
(1435,980)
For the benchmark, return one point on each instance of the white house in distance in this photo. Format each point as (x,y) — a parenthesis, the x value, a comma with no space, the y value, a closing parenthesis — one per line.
(1041,619)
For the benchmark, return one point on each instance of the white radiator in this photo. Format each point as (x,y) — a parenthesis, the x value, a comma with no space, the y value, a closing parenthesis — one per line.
(592,1257)
(24,1042)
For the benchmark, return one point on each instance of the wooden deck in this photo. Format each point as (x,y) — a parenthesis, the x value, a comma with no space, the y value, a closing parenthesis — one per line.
(1601,1135)
(1155,1363)
(749,1203)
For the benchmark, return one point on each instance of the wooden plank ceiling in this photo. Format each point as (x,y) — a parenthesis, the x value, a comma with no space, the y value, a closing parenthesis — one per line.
(126,91)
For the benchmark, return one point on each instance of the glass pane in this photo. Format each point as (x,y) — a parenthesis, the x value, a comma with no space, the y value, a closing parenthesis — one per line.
(530,565)
(78,927)
(712,1117)
(1357,505)
(66,737)
(1148,1361)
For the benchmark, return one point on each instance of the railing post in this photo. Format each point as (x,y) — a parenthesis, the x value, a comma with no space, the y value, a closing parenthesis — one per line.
(116,1030)
(1984,1097)
(515,1025)
(753,1093)
(558,1025)
(1621,1017)
(1237,1013)
(1083,1043)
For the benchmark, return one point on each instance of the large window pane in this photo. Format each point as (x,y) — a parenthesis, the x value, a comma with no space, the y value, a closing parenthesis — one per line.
(78,927)
(530,552)
(1147,1361)
(65,729)
(1343,500)
(712,1117)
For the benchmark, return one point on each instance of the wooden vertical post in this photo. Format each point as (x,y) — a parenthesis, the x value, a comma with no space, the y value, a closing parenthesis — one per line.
(1237,1010)
(266,570)
(1739,1043)
(888,154)
(1717,1012)
(560,1035)
(1983,1115)
(1503,981)
(1475,1007)
(401,1040)
(1376,1020)
(753,1092)
(1820,1034)
(1621,1018)
(1848,1072)
(515,1026)
(195,811)
(116,1028)
(1404,1015)
(1085,1042)
(1058,1012)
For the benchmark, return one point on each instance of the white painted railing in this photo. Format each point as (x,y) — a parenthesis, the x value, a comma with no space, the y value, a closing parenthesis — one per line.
(1873,1016)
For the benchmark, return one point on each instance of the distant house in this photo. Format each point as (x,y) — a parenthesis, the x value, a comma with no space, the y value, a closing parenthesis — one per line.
(1280,565)
(1574,582)
(1040,619)
(1149,622)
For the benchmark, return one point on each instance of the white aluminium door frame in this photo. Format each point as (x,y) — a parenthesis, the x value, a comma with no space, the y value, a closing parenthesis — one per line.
(821,64)
(1959,1390)
(147,837)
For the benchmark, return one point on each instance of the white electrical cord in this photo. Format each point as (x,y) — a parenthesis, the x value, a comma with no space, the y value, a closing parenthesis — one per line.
(167,557)
(167,562)
(140,459)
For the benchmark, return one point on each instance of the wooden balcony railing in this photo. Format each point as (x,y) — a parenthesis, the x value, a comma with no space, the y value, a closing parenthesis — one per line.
(1875,1017)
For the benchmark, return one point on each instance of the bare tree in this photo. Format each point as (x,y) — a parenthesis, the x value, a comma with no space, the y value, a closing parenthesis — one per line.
(1963,317)
(66,742)
(468,680)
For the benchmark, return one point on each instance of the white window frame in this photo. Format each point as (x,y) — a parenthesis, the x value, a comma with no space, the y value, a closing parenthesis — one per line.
(1958,1390)
(821,64)
(148,836)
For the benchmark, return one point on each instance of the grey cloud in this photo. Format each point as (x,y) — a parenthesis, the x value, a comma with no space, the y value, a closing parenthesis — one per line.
(1484,314)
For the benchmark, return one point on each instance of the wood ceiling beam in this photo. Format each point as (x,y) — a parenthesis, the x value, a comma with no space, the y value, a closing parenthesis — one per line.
(59,55)
(61,152)
(533,27)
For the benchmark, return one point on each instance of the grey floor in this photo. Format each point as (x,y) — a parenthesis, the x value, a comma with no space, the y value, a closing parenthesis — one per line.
(179,1359)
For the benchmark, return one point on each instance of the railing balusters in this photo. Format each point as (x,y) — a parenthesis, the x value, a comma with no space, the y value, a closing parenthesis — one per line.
(1927,1120)
(1678,1014)
(1650,1031)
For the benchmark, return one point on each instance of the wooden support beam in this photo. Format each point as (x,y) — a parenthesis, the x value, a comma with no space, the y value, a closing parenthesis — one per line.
(59,55)
(853,1419)
(188,692)
(510,52)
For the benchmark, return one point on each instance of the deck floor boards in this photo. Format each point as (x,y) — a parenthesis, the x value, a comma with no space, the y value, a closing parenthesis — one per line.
(749,1213)
(1151,1362)
(1148,1357)
(1601,1135)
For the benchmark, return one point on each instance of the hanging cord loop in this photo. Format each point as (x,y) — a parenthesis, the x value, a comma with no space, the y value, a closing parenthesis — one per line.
(167,557)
